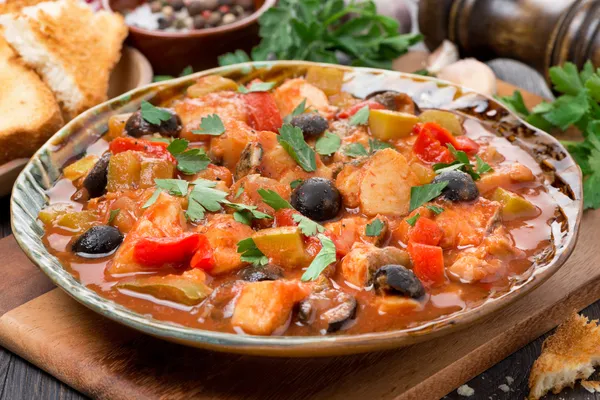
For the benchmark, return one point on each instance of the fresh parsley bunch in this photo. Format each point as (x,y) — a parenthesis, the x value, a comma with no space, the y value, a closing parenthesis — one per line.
(317,30)
(578,105)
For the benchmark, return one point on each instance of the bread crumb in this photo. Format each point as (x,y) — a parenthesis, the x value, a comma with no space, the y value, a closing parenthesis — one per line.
(504,388)
(465,390)
(509,380)
(591,386)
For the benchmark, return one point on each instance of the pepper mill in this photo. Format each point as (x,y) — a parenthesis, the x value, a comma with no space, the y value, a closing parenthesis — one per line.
(540,33)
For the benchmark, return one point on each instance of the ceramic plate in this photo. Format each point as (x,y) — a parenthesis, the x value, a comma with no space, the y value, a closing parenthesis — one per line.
(29,196)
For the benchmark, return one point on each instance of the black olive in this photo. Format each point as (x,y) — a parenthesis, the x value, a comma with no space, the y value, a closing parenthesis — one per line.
(258,274)
(317,198)
(395,101)
(137,126)
(96,179)
(331,306)
(98,241)
(395,279)
(461,186)
(312,124)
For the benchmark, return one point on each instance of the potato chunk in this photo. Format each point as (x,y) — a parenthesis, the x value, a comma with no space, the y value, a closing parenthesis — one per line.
(386,183)
(263,307)
(364,259)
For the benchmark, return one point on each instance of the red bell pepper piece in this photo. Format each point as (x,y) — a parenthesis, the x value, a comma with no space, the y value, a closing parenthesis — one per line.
(203,258)
(426,231)
(263,114)
(284,217)
(428,263)
(156,149)
(467,145)
(373,105)
(169,250)
(429,149)
(314,246)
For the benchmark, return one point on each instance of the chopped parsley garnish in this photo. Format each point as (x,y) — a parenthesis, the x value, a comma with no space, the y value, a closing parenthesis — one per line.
(292,140)
(413,220)
(355,150)
(154,115)
(295,183)
(273,199)
(186,71)
(203,197)
(188,161)
(210,125)
(325,257)
(361,117)
(463,163)
(176,187)
(300,109)
(376,145)
(245,213)
(420,195)
(482,166)
(113,214)
(374,228)
(307,225)
(437,210)
(328,144)
(250,253)
(152,198)
(239,192)
(256,87)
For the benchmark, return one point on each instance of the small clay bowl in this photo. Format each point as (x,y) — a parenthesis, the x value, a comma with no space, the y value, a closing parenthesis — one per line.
(170,52)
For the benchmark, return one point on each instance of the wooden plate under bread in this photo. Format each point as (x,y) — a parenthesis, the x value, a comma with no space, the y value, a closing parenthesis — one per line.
(132,71)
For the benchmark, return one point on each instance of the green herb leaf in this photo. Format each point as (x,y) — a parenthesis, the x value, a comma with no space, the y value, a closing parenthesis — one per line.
(307,225)
(191,161)
(210,125)
(420,195)
(482,166)
(328,144)
(463,158)
(292,140)
(374,228)
(154,115)
(566,79)
(361,117)
(239,192)
(325,257)
(295,183)
(413,220)
(204,197)
(516,103)
(176,187)
(250,253)
(187,71)
(239,56)
(254,213)
(300,108)
(178,146)
(355,150)
(376,145)
(435,209)
(273,199)
(161,78)
(113,214)
(244,217)
(256,87)
(152,198)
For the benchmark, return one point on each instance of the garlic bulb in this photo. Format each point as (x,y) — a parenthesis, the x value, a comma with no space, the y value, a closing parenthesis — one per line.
(472,74)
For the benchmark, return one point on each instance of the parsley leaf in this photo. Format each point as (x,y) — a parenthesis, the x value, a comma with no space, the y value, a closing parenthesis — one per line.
(238,56)
(273,199)
(307,225)
(204,197)
(482,166)
(435,209)
(375,145)
(239,192)
(325,257)
(413,220)
(154,115)
(516,103)
(300,109)
(328,144)
(463,158)
(250,253)
(243,216)
(420,195)
(176,187)
(292,140)
(249,210)
(113,214)
(355,150)
(152,198)
(210,125)
(191,161)
(361,117)
(374,228)
(295,183)
(256,87)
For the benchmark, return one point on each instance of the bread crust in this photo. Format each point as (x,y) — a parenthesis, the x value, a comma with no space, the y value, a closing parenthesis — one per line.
(567,356)
(30,113)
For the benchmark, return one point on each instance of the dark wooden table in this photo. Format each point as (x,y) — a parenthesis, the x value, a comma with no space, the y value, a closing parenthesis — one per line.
(20,380)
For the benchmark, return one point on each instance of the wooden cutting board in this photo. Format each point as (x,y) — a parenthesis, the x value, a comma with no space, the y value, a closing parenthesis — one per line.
(108,361)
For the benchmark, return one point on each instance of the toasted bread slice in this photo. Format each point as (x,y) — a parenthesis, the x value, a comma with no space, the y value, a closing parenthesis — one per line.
(13,6)
(568,355)
(72,48)
(30,113)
